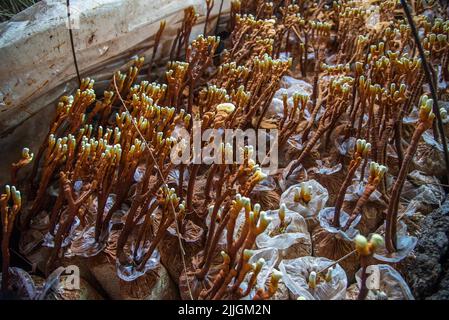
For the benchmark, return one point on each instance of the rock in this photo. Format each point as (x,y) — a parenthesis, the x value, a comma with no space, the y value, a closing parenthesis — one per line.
(423,274)
(443,288)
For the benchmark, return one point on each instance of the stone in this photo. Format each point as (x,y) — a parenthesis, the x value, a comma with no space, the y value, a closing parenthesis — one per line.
(426,274)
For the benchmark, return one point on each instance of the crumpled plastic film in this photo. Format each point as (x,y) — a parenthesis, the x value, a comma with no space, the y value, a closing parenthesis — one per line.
(323,169)
(412,117)
(293,242)
(325,217)
(429,156)
(286,182)
(239,223)
(430,139)
(294,141)
(310,210)
(344,146)
(174,175)
(25,287)
(73,234)
(387,280)
(32,238)
(86,246)
(295,274)
(267,184)
(404,245)
(118,217)
(130,272)
(355,191)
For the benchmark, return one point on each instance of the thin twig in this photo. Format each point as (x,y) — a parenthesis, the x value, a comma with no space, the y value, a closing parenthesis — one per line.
(72,44)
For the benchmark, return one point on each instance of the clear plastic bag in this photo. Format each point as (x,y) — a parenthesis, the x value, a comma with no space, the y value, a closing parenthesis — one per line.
(404,245)
(294,141)
(429,156)
(310,210)
(429,190)
(345,146)
(130,272)
(388,281)
(322,168)
(295,274)
(292,242)
(334,243)
(326,216)
(286,182)
(32,238)
(289,86)
(86,246)
(268,184)
(118,217)
(73,234)
(271,257)
(25,289)
(355,191)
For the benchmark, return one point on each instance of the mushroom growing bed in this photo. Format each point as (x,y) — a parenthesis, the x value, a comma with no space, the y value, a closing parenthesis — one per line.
(254,150)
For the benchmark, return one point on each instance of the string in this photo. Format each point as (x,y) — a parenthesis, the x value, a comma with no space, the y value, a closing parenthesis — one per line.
(72,44)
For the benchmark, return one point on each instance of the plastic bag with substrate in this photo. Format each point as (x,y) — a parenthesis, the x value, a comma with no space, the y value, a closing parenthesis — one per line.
(295,274)
(129,272)
(86,246)
(310,210)
(387,280)
(356,190)
(429,156)
(287,180)
(74,233)
(404,245)
(293,241)
(289,86)
(326,216)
